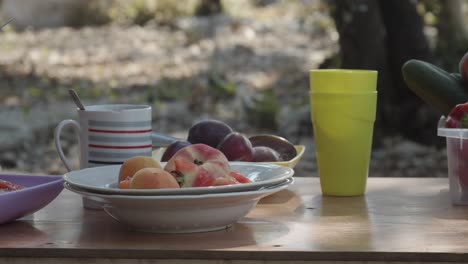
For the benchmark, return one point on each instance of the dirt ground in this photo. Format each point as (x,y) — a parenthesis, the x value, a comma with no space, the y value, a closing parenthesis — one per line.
(217,67)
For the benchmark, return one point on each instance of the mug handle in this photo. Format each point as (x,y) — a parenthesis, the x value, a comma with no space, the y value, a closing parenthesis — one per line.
(57,132)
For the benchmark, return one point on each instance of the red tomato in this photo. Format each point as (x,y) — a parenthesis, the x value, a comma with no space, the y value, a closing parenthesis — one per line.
(458,117)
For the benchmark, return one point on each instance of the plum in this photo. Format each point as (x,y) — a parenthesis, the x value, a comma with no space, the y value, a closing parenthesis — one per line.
(173,148)
(264,154)
(236,147)
(286,149)
(209,132)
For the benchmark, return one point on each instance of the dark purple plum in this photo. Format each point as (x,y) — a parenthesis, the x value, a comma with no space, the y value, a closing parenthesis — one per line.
(286,149)
(173,148)
(209,132)
(265,154)
(236,147)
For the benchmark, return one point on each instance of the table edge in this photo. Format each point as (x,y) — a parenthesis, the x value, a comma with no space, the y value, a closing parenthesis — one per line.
(237,255)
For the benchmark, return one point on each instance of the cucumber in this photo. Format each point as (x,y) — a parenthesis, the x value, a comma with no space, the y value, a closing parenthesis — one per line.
(435,86)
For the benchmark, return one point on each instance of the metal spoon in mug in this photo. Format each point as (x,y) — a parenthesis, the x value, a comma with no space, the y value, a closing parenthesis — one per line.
(158,139)
(76,99)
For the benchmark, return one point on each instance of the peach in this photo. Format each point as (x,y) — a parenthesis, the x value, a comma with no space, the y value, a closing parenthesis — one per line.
(153,178)
(239,177)
(199,165)
(134,164)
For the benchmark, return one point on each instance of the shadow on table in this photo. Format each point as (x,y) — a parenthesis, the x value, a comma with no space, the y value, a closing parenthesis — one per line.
(280,197)
(343,223)
(21,233)
(108,232)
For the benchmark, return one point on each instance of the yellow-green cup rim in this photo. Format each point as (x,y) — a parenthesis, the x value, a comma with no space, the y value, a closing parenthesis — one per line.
(343,80)
(343,93)
(363,71)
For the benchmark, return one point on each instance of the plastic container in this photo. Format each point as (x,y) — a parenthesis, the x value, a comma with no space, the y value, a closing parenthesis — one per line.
(457,158)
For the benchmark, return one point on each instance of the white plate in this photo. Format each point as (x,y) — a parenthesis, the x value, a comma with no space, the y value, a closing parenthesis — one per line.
(181,213)
(104,180)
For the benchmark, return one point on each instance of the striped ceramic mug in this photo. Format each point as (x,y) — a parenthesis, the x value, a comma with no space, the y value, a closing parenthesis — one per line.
(109,134)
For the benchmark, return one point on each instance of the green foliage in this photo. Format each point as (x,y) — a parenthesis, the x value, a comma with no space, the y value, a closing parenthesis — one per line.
(94,13)
(141,11)
(167,90)
(167,10)
(220,87)
(262,110)
(34,92)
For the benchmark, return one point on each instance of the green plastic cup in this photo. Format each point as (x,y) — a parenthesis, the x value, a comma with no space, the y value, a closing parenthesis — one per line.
(338,105)
(343,81)
(343,118)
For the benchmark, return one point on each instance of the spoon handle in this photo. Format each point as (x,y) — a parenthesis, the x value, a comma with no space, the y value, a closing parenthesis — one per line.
(76,99)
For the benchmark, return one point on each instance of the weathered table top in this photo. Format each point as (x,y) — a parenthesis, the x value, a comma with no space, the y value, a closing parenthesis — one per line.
(399,219)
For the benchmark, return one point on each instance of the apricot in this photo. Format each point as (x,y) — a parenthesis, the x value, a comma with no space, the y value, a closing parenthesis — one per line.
(153,178)
(134,164)
(125,184)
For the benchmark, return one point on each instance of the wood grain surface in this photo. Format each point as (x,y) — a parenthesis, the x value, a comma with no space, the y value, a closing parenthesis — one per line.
(399,219)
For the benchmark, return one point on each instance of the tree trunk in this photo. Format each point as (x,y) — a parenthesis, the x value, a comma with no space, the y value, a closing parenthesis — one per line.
(455,14)
(383,35)
(405,41)
(362,46)
(209,7)
(452,36)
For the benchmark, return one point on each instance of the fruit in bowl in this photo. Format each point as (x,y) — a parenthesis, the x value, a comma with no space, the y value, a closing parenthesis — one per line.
(282,146)
(153,178)
(209,132)
(264,154)
(236,146)
(195,165)
(134,164)
(173,148)
(6,186)
(200,165)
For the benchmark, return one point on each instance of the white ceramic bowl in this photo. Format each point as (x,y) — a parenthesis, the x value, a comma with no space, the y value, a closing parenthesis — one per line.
(104,180)
(181,213)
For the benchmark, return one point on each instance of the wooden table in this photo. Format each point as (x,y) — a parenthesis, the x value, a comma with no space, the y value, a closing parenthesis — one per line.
(399,219)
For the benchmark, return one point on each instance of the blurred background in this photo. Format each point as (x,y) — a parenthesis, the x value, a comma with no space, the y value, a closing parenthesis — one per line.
(244,62)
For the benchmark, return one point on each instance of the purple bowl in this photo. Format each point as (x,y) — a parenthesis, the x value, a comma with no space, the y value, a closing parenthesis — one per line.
(39,192)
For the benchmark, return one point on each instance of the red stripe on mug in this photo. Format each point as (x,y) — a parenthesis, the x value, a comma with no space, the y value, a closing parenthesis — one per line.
(120,131)
(120,147)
